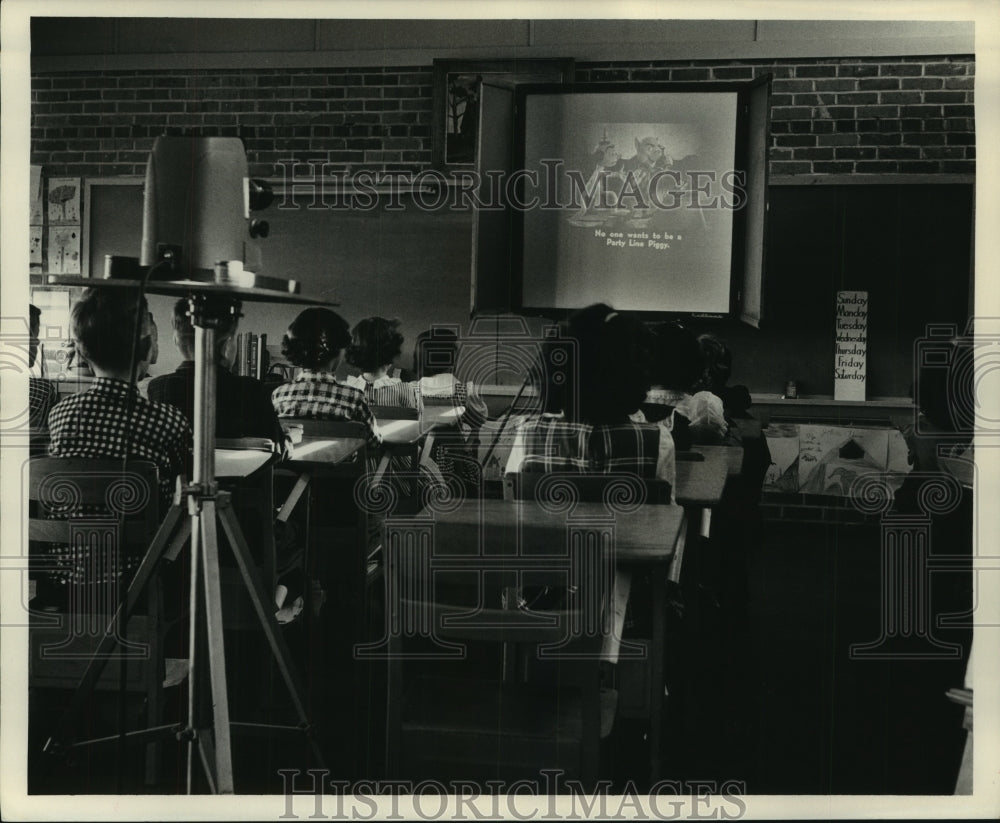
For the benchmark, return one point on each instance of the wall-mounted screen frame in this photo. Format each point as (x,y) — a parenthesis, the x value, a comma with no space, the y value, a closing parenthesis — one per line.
(649,197)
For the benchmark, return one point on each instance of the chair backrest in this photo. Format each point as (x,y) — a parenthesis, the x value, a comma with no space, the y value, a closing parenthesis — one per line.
(452,592)
(589,488)
(540,598)
(394,412)
(312,427)
(245,443)
(61,489)
(107,516)
(90,523)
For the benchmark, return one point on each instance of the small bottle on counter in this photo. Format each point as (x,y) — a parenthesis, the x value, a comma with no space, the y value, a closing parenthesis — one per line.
(791,390)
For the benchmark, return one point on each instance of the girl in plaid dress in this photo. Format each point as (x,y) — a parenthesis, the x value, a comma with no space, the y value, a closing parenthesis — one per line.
(316,342)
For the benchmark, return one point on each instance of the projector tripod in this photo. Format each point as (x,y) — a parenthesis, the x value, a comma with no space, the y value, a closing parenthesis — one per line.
(206,507)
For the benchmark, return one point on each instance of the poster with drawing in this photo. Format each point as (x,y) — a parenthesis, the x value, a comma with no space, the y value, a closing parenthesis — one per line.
(64,200)
(64,249)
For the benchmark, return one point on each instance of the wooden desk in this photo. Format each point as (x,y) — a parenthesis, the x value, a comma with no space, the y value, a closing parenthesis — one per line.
(314,452)
(401,437)
(732,456)
(700,482)
(650,538)
(644,536)
(407,432)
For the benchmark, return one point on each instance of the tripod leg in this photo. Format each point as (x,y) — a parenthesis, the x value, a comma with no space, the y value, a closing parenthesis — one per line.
(207,753)
(173,532)
(216,649)
(259,598)
(194,656)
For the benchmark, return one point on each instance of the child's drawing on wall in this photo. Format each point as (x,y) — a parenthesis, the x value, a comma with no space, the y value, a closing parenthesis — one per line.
(64,200)
(64,250)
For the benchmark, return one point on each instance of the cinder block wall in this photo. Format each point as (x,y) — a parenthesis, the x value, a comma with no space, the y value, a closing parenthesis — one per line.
(829,116)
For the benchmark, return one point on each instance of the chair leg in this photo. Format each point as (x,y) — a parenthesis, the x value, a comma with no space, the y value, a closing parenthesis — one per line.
(394,718)
(154,678)
(590,737)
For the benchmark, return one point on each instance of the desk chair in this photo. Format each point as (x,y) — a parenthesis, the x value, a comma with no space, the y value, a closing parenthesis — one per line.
(123,517)
(325,483)
(324,518)
(38,441)
(450,714)
(639,682)
(252,500)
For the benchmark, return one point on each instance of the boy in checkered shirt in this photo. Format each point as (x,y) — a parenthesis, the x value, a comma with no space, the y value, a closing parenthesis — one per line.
(111,419)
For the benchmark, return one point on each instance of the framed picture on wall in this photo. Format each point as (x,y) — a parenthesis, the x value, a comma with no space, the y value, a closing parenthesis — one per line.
(456,90)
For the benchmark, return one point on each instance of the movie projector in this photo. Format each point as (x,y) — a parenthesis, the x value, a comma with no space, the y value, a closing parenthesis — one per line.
(196,220)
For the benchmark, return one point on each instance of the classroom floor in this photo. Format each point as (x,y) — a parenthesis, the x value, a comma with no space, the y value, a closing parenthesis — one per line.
(764,693)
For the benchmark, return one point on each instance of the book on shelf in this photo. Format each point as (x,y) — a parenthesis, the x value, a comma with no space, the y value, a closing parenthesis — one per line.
(251,355)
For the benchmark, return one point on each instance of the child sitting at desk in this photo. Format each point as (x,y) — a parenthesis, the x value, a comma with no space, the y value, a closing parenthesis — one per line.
(434,360)
(316,341)
(375,345)
(718,359)
(243,403)
(586,426)
(111,419)
(676,367)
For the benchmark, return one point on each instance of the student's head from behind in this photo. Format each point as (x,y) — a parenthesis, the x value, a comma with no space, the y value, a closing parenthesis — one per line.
(316,339)
(611,376)
(435,352)
(375,344)
(718,361)
(564,357)
(225,334)
(103,322)
(676,360)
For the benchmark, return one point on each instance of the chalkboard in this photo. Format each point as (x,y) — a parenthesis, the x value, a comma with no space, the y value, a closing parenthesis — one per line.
(908,245)
(409,262)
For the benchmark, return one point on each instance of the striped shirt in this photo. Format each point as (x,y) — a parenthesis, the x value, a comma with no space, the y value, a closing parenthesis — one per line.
(446,387)
(387,391)
(319,395)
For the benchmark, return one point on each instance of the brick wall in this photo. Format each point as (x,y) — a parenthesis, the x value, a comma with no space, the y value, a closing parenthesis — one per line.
(849,115)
